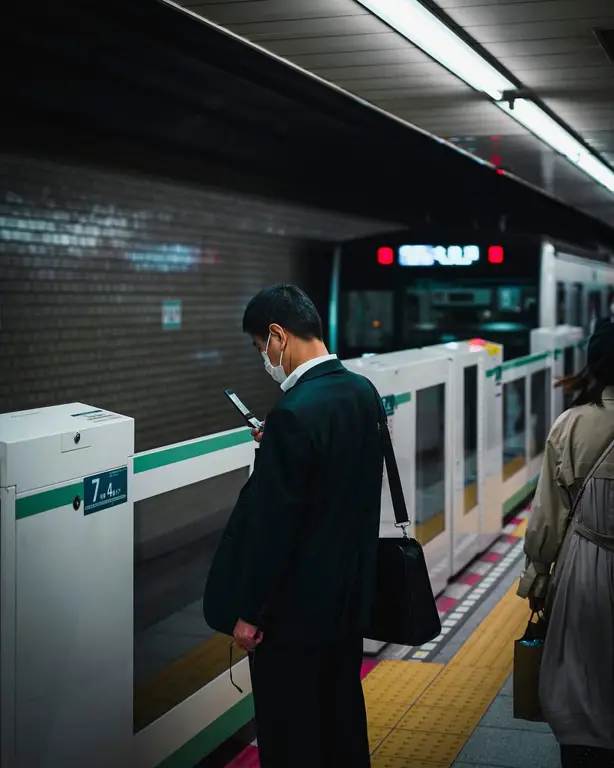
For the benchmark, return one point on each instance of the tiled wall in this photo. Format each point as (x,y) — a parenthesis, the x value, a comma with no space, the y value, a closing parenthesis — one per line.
(87,259)
(88,256)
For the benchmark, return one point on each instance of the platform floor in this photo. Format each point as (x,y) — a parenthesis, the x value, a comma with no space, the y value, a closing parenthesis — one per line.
(449,703)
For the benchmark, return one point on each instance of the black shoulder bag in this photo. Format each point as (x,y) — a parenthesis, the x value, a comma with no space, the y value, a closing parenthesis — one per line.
(404,610)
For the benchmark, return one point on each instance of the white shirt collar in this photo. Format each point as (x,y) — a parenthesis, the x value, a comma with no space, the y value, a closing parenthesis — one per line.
(302,369)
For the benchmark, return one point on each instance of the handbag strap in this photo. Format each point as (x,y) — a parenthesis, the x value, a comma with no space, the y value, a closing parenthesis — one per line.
(399,506)
(587,479)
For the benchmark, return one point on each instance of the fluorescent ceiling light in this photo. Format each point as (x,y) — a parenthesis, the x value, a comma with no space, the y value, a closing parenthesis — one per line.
(549,131)
(411,19)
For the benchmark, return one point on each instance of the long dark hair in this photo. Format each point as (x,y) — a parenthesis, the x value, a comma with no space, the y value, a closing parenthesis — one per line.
(587,388)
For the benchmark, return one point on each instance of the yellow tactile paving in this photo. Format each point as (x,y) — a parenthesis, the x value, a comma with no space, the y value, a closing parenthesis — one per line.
(422,745)
(382,761)
(521,531)
(437,723)
(392,687)
(450,720)
(376,736)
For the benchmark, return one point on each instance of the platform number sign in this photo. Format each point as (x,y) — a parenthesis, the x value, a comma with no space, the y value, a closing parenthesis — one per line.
(389,404)
(107,489)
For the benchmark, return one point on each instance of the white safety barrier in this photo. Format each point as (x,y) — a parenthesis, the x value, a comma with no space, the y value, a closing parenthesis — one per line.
(469,432)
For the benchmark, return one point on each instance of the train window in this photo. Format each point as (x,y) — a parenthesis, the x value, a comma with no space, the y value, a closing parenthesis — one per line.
(514,431)
(367,320)
(510,298)
(561,310)
(541,386)
(430,463)
(471,438)
(175,537)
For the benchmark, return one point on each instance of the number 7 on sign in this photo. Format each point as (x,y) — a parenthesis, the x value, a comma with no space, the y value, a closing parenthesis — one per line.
(96,482)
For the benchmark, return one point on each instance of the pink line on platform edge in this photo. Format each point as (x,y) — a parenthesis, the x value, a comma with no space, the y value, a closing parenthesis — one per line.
(470,578)
(246,759)
(445,604)
(491,557)
(368,665)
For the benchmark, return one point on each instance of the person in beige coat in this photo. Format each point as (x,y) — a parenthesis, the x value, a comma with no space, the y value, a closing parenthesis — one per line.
(570,563)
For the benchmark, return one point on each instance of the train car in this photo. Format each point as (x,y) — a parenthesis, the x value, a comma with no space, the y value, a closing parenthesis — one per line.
(398,293)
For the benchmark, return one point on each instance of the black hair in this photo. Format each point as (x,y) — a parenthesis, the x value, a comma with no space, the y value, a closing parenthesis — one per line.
(286,305)
(588,385)
(588,389)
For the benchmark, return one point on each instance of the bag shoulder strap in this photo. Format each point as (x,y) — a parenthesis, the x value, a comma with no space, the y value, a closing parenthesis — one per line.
(394,479)
(588,478)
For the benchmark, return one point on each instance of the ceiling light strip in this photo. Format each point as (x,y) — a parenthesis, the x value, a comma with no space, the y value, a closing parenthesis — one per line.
(422,28)
(552,133)
(411,19)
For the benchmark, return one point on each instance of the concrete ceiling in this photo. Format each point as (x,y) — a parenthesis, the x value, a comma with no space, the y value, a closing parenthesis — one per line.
(550,46)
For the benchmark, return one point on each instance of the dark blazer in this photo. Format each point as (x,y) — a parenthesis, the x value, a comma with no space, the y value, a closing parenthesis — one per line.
(298,556)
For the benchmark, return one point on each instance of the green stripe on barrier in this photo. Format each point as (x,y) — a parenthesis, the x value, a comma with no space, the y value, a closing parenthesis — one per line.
(148,461)
(517,363)
(526,360)
(210,738)
(519,496)
(47,500)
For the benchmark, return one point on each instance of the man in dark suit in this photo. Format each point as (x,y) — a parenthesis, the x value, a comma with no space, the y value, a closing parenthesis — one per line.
(296,566)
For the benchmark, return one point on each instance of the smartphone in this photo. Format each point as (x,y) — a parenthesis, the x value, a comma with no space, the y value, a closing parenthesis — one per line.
(243,410)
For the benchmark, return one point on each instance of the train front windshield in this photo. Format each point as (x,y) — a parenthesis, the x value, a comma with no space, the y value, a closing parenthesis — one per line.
(401,297)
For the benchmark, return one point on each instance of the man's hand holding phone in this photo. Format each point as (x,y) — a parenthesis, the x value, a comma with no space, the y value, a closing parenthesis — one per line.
(257,433)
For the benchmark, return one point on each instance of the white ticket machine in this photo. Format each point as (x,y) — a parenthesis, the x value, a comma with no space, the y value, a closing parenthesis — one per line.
(66,604)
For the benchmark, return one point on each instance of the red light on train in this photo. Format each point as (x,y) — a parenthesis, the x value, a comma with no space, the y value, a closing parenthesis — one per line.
(495,254)
(385,256)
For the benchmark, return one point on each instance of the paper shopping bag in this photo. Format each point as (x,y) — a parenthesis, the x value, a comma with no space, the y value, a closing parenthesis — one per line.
(528,653)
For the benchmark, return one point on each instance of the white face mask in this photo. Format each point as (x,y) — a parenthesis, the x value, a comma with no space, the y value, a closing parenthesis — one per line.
(276,372)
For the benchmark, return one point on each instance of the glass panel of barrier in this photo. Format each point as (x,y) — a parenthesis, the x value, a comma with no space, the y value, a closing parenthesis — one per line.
(471,438)
(560,304)
(568,369)
(175,537)
(541,385)
(514,453)
(430,463)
